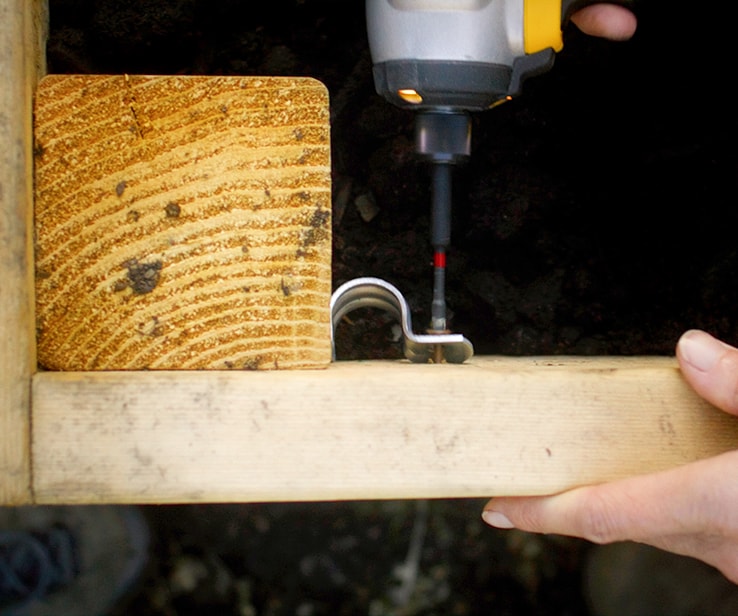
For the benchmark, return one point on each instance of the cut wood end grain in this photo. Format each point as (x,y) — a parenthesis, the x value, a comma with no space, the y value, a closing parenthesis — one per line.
(182,222)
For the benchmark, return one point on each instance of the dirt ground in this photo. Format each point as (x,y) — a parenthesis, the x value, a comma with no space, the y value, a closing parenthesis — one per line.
(596,216)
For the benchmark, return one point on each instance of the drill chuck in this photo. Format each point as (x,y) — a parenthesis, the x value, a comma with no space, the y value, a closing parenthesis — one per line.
(443,136)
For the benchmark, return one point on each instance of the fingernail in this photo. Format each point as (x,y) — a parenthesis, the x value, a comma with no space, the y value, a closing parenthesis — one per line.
(700,349)
(497,519)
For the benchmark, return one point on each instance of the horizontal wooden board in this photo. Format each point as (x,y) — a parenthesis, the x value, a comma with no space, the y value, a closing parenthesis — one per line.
(182,222)
(365,430)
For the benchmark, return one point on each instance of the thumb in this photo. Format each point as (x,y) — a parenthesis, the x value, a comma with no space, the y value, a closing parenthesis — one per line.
(609,21)
(710,367)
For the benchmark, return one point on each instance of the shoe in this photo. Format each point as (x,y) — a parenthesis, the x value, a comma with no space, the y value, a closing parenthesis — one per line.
(632,579)
(69,561)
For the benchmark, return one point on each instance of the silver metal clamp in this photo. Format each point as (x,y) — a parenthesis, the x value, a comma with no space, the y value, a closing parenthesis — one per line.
(377,293)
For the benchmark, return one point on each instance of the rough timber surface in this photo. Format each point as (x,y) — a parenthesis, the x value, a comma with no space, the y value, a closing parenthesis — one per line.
(366,430)
(182,222)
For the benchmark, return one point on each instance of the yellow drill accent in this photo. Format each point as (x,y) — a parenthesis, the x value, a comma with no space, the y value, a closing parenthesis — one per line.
(542,25)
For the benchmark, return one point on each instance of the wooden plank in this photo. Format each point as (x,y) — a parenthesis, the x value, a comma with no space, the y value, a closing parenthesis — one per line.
(366,430)
(182,222)
(22,35)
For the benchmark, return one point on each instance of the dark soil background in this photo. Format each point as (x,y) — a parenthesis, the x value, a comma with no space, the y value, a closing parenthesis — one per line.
(597,216)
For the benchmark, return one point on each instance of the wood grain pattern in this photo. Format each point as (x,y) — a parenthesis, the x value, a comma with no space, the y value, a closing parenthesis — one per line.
(182,223)
(365,430)
(22,36)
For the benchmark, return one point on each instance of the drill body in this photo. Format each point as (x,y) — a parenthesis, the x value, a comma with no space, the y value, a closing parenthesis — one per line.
(460,54)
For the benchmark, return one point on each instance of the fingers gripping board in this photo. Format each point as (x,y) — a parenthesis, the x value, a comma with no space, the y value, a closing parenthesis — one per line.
(182,222)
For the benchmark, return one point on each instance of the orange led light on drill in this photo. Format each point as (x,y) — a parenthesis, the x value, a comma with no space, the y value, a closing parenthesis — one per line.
(409,95)
(500,101)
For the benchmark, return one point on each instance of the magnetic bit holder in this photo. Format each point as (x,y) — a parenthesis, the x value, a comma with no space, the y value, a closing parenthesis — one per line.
(377,293)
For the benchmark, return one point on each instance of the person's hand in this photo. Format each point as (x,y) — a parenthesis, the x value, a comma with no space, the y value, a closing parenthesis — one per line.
(608,21)
(690,510)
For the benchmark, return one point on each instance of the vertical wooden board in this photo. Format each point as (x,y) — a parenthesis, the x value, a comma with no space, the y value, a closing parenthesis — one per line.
(22,37)
(182,222)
